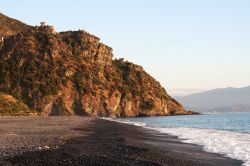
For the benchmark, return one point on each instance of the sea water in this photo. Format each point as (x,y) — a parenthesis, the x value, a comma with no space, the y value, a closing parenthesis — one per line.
(227,133)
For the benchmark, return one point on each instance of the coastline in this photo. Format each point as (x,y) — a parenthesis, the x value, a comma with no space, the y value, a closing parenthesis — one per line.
(96,141)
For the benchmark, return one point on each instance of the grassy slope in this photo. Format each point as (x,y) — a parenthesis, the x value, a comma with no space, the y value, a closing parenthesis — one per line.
(9,106)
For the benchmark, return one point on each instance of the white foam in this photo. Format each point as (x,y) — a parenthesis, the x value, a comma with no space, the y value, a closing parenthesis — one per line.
(142,124)
(231,144)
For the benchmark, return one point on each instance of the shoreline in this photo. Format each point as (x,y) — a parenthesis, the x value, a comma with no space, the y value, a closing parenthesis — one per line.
(96,141)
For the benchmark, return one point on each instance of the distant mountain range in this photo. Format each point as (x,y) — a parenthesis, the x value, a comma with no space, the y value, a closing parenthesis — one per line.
(218,100)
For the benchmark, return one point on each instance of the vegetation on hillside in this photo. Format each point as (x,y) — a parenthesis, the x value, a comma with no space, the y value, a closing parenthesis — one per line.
(9,26)
(73,73)
(9,106)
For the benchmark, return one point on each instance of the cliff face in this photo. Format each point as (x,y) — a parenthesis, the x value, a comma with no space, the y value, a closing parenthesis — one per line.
(73,73)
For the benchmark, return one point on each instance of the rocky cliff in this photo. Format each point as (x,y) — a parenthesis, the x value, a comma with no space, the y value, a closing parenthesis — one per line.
(73,73)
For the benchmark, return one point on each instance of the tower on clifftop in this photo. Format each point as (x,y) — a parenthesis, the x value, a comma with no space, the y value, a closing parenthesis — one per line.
(42,24)
(46,28)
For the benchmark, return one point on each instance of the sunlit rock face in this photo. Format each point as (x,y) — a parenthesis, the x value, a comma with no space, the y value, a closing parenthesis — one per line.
(73,73)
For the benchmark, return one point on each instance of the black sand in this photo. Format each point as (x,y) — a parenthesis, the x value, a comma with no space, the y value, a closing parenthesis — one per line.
(88,141)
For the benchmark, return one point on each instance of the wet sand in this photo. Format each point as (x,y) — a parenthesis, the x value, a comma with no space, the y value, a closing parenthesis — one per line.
(91,141)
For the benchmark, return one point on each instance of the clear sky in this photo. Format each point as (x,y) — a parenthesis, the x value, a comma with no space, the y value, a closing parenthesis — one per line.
(187,45)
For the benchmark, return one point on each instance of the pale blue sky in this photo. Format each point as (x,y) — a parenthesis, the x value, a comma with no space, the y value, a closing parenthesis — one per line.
(188,45)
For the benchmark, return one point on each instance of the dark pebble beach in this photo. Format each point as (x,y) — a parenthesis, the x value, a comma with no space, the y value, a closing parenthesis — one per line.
(93,141)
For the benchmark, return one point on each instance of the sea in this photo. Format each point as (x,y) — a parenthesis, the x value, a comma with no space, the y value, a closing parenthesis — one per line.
(225,133)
